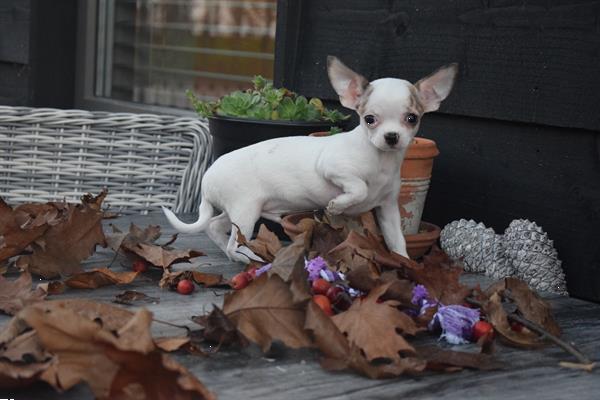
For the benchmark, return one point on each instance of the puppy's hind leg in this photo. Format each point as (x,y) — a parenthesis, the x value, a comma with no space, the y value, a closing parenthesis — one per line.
(218,229)
(244,221)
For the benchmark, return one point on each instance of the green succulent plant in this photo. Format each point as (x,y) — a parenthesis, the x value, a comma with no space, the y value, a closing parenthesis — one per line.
(265,102)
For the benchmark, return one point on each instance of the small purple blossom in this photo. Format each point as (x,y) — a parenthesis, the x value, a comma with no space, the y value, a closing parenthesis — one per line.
(456,323)
(314,267)
(419,294)
(263,269)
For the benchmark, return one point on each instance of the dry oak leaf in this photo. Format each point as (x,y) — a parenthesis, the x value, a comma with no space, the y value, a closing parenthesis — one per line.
(169,344)
(125,365)
(339,354)
(529,304)
(14,238)
(60,250)
(100,277)
(17,294)
(377,328)
(141,243)
(265,311)
(130,297)
(265,245)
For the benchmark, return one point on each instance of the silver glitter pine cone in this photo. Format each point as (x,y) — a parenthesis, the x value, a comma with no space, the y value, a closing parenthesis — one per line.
(534,257)
(479,248)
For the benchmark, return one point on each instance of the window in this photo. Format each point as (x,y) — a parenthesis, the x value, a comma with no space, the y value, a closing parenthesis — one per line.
(150,52)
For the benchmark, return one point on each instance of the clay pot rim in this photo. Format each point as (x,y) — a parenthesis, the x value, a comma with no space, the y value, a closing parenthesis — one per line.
(431,232)
(421,148)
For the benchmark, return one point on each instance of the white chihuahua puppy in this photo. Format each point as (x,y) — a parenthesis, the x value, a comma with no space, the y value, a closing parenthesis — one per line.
(348,173)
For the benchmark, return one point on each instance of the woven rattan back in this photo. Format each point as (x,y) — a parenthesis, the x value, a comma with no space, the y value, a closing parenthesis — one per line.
(144,160)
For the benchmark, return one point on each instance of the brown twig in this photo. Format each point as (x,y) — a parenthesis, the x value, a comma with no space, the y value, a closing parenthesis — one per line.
(532,326)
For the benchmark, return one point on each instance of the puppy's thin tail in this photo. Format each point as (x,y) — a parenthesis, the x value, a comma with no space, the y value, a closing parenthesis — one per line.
(206,213)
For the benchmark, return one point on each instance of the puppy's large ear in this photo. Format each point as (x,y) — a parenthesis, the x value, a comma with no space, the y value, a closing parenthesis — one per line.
(436,87)
(349,85)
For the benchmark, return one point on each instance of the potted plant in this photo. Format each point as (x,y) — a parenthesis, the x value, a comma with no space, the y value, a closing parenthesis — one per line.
(416,175)
(242,118)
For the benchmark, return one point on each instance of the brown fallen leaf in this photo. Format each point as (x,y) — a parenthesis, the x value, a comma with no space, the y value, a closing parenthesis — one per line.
(439,274)
(528,303)
(265,311)
(17,294)
(171,279)
(14,237)
(367,319)
(130,297)
(219,329)
(209,280)
(498,318)
(62,247)
(339,354)
(170,344)
(100,277)
(265,245)
(53,287)
(286,258)
(140,242)
(126,365)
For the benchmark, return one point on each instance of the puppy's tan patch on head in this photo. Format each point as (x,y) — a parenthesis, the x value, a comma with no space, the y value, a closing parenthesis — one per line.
(414,101)
(364,98)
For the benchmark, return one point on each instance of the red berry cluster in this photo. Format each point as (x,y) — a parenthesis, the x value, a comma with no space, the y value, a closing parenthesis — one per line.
(330,298)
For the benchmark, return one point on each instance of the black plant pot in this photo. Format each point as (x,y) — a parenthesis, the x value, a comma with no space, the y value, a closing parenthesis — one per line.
(230,133)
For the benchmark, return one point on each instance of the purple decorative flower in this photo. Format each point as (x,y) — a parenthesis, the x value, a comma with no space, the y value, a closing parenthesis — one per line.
(263,269)
(419,294)
(314,267)
(456,323)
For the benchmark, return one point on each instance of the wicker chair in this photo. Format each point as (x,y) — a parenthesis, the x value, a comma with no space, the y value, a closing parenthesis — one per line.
(144,160)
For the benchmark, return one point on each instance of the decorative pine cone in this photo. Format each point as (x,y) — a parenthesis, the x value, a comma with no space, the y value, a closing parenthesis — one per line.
(533,257)
(479,248)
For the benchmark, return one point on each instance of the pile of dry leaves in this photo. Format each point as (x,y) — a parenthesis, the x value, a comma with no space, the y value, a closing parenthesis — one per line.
(377,333)
(65,342)
(390,302)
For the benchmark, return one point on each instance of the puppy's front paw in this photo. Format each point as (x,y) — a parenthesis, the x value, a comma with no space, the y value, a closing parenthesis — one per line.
(334,208)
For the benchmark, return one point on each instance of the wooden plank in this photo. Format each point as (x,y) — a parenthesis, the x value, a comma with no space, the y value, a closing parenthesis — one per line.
(14,31)
(248,374)
(531,62)
(494,172)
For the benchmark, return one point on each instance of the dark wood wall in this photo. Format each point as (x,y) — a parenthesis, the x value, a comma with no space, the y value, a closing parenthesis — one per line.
(519,136)
(37,52)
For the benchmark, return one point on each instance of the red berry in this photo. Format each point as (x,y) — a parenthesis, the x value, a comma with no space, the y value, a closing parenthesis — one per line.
(139,266)
(252,272)
(481,329)
(516,326)
(324,303)
(333,292)
(241,280)
(320,286)
(185,286)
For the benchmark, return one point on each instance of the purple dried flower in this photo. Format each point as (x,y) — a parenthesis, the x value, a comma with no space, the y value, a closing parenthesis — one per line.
(456,322)
(263,269)
(314,267)
(419,294)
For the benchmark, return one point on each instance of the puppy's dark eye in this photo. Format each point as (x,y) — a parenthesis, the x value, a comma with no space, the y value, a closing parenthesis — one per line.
(411,118)
(370,119)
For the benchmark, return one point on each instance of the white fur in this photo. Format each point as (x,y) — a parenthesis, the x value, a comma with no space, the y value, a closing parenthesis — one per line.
(347,173)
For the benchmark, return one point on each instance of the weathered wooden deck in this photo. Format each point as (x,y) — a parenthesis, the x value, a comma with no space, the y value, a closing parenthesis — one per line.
(285,374)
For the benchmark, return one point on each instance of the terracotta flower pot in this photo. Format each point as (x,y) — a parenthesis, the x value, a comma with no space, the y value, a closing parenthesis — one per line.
(416,245)
(416,175)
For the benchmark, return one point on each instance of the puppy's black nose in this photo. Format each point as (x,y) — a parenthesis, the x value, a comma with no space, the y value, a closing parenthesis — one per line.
(391,138)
